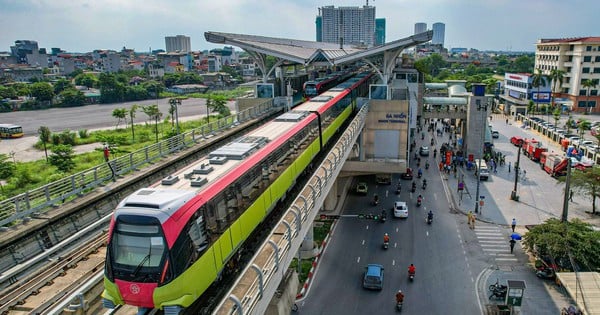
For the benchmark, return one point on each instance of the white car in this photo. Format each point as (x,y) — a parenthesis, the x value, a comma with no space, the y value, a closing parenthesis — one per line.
(400,209)
(586,143)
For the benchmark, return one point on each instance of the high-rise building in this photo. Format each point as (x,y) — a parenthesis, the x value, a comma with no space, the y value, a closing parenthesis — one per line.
(348,25)
(319,28)
(420,27)
(179,43)
(439,30)
(379,31)
(579,60)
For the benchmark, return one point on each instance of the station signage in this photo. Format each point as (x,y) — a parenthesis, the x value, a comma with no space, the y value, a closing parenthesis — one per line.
(397,118)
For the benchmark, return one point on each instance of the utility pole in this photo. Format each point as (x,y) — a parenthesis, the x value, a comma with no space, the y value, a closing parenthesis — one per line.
(565,212)
(513,194)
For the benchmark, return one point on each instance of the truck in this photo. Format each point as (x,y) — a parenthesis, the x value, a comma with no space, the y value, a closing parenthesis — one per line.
(551,162)
(516,140)
(533,149)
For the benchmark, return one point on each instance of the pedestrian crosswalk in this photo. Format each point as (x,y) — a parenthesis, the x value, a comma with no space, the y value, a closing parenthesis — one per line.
(494,243)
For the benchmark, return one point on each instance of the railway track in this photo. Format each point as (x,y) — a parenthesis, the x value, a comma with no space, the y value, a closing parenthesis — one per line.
(48,283)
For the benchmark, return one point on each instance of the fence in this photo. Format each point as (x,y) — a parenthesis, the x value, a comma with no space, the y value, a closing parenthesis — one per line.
(39,200)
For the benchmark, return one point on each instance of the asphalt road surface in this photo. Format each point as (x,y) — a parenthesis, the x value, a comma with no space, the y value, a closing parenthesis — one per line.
(93,116)
(444,282)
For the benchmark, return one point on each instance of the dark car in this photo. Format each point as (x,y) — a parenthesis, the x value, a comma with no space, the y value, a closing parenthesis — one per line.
(408,174)
(373,278)
(424,151)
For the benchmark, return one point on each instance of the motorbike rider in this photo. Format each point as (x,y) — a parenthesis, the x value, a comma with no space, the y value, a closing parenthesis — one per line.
(411,269)
(386,238)
(434,153)
(383,214)
(375,198)
(419,199)
(426,165)
(414,185)
(420,172)
(399,297)
(430,215)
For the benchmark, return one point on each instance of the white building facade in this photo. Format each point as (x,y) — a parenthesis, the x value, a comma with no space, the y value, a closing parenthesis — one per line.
(179,43)
(579,59)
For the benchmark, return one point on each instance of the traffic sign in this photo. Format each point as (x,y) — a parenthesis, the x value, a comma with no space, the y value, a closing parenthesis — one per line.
(481,197)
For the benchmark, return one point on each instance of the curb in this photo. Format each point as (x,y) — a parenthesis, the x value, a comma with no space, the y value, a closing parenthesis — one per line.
(315,262)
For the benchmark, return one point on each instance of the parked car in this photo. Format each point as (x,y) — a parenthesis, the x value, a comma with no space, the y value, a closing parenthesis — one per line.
(495,134)
(400,209)
(424,151)
(584,143)
(362,188)
(373,278)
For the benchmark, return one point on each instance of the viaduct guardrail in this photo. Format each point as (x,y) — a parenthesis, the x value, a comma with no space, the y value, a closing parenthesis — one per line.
(39,200)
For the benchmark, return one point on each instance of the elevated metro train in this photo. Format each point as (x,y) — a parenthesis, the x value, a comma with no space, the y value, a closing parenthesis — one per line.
(320,85)
(169,242)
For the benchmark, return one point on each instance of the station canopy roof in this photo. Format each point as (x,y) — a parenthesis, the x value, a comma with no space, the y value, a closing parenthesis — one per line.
(308,52)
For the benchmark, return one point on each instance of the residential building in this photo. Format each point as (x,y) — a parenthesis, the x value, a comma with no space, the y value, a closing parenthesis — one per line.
(348,25)
(167,60)
(439,31)
(155,70)
(518,91)
(22,73)
(179,43)
(22,48)
(579,58)
(420,27)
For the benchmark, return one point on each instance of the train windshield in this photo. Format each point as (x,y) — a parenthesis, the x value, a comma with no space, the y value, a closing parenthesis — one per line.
(310,89)
(137,250)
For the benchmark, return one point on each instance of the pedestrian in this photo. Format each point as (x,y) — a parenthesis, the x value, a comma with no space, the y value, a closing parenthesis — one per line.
(513,224)
(571,195)
(524,174)
(507,121)
(512,245)
(473,221)
(509,166)
(469,218)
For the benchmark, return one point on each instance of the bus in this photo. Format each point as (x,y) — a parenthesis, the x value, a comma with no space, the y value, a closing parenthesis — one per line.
(10,131)
(482,169)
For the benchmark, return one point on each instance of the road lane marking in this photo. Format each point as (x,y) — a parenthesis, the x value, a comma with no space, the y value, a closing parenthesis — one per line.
(363,242)
(393,262)
(507,259)
(358,259)
(426,233)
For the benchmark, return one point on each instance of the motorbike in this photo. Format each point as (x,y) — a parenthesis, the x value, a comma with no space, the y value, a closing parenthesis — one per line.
(383,216)
(424,185)
(386,245)
(545,273)
(411,276)
(375,200)
(399,306)
(498,290)
(398,189)
(414,187)
(429,219)
(431,141)
(427,165)
(418,202)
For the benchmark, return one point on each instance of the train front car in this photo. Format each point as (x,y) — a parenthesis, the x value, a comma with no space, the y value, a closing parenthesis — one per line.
(138,259)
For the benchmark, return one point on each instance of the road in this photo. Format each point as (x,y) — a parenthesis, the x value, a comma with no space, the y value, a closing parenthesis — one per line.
(93,116)
(90,117)
(445,281)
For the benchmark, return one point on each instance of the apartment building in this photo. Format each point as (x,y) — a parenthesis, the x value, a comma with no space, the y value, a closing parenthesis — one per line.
(579,58)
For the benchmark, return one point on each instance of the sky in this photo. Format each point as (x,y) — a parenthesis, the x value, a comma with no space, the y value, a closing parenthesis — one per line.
(85,25)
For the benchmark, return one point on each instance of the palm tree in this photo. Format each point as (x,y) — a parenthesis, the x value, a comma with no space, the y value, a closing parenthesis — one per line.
(119,114)
(556,77)
(538,79)
(132,111)
(45,135)
(582,126)
(588,84)
(153,113)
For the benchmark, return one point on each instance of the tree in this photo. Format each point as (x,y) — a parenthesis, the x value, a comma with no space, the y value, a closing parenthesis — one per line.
(582,126)
(569,124)
(62,157)
(218,104)
(154,113)
(556,77)
(560,241)
(7,168)
(588,84)
(587,183)
(523,64)
(42,91)
(119,114)
(556,114)
(61,85)
(72,97)
(44,133)
(132,112)
(86,79)
(8,92)
(538,79)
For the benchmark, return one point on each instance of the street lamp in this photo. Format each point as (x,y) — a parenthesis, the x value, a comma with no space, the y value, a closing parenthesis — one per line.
(175,102)
(513,194)
(480,107)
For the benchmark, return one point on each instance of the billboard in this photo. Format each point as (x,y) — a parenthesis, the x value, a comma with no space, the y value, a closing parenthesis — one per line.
(541,97)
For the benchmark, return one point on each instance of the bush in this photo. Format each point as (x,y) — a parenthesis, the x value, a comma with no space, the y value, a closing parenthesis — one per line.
(83,133)
(68,137)
(55,139)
